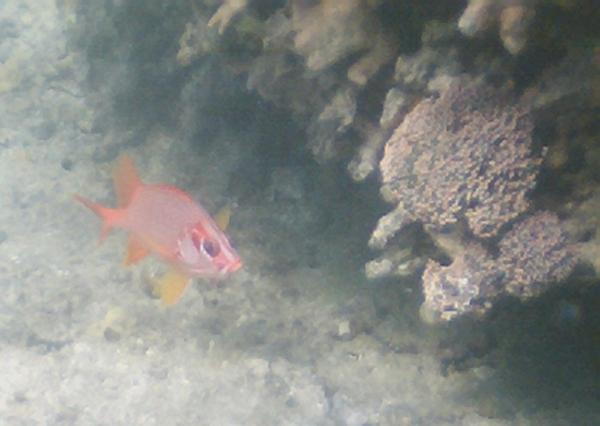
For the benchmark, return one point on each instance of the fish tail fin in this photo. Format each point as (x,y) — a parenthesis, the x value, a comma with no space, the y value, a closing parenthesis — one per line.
(109,216)
(126,180)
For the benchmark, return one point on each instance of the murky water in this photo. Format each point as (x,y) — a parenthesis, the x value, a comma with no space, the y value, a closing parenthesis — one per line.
(299,336)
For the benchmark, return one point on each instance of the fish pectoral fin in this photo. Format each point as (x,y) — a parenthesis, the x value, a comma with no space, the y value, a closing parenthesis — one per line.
(136,251)
(170,286)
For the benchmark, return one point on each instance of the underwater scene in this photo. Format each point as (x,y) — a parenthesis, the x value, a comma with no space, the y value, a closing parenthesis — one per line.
(300,212)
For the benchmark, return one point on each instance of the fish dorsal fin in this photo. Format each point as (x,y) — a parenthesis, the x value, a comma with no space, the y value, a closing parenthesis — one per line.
(135,251)
(126,180)
(222,218)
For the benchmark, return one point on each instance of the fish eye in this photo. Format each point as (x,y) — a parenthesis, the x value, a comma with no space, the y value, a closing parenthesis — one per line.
(210,247)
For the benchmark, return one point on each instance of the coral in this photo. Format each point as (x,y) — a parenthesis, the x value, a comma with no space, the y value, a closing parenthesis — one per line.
(572,83)
(584,224)
(465,158)
(438,56)
(395,107)
(535,254)
(226,12)
(468,284)
(466,154)
(412,76)
(365,160)
(333,121)
(195,41)
(382,52)
(329,31)
(455,154)
(312,58)
(512,16)
(399,262)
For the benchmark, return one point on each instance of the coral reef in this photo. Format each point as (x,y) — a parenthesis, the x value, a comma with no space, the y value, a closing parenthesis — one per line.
(315,59)
(455,152)
(329,62)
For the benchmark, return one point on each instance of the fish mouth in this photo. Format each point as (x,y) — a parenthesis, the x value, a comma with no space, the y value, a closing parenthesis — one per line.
(232,267)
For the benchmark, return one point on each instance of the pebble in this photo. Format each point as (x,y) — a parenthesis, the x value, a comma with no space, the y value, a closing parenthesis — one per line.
(345,330)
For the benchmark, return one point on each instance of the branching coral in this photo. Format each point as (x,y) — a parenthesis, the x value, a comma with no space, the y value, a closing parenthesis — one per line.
(332,122)
(226,12)
(195,41)
(512,16)
(381,52)
(315,59)
(365,160)
(329,31)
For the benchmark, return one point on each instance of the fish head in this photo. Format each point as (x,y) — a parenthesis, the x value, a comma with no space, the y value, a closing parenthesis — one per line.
(204,250)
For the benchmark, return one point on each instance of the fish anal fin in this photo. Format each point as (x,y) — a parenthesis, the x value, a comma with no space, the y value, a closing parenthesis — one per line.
(223,217)
(136,251)
(171,286)
(126,180)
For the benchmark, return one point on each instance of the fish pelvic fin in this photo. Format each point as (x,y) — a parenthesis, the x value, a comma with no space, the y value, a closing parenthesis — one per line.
(136,251)
(110,217)
(170,287)
(126,180)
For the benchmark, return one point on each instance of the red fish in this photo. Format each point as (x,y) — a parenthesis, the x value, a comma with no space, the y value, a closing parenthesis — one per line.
(165,221)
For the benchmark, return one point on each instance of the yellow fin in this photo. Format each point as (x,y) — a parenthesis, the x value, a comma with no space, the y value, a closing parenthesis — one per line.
(171,286)
(222,217)
(135,251)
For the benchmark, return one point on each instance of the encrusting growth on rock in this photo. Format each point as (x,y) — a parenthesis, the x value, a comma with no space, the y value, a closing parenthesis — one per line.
(465,155)
(464,160)
(535,254)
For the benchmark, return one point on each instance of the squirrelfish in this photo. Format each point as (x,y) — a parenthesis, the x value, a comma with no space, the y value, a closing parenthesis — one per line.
(165,221)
